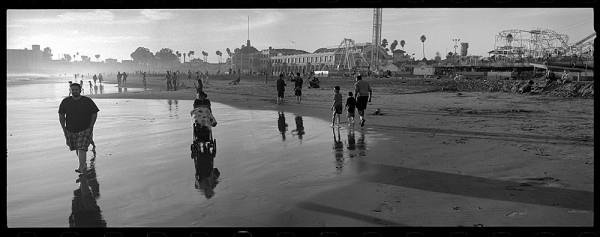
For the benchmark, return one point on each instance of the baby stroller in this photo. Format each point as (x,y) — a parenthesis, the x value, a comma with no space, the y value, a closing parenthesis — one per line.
(203,141)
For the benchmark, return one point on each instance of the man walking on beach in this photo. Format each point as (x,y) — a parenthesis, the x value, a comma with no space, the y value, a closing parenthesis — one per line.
(363,93)
(77,116)
(280,89)
(168,77)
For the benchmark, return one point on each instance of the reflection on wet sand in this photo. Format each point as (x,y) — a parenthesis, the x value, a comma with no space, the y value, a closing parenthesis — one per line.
(354,147)
(101,89)
(171,112)
(281,125)
(338,147)
(299,128)
(207,177)
(96,89)
(85,209)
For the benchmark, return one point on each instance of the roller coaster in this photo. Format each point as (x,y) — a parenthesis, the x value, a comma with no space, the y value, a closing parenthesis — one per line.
(541,43)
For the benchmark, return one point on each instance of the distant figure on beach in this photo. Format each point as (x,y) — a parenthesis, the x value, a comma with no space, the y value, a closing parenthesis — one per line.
(314,83)
(280,89)
(189,75)
(144,79)
(95,78)
(119,78)
(70,84)
(565,78)
(90,86)
(100,78)
(526,88)
(336,107)
(236,81)
(199,86)
(96,89)
(174,80)
(77,116)
(81,86)
(281,125)
(550,76)
(298,88)
(202,100)
(124,78)
(363,93)
(350,106)
(168,78)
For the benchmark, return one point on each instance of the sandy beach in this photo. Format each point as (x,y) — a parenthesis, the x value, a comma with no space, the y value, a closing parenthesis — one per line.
(442,158)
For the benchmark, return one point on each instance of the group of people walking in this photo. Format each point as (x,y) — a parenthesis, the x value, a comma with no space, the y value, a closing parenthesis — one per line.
(362,90)
(363,93)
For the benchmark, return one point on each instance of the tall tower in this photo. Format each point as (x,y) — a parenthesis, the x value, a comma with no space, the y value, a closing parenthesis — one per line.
(376,38)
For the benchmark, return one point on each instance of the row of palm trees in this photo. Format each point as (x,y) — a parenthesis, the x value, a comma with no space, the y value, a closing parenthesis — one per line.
(384,44)
(204,54)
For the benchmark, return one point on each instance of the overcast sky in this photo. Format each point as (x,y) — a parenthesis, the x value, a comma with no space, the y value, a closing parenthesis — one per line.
(117,33)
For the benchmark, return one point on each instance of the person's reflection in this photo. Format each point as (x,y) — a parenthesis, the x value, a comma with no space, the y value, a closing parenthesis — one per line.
(207,177)
(361,145)
(338,147)
(351,140)
(281,125)
(120,89)
(176,108)
(96,89)
(125,89)
(85,210)
(170,102)
(101,89)
(299,127)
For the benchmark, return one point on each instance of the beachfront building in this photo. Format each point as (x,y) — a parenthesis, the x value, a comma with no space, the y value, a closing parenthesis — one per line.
(331,58)
(245,59)
(21,59)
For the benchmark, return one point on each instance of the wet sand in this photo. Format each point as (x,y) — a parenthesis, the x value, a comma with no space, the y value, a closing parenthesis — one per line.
(431,159)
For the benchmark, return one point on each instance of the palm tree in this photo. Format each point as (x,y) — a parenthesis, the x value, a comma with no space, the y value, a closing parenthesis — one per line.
(402,44)
(97,56)
(190,54)
(205,54)
(423,38)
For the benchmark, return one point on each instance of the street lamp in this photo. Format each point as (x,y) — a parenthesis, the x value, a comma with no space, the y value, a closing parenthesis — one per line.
(455,44)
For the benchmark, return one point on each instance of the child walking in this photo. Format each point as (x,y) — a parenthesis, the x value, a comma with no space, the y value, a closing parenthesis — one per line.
(350,106)
(337,106)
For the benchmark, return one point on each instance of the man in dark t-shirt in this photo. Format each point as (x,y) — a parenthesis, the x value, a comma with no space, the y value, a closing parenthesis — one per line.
(298,88)
(280,89)
(77,116)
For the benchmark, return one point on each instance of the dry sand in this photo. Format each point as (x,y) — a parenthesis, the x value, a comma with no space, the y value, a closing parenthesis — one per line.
(525,160)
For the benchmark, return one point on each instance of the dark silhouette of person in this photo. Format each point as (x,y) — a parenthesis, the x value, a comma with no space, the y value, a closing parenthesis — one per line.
(281,125)
(207,176)
(85,211)
(351,141)
(299,127)
(338,147)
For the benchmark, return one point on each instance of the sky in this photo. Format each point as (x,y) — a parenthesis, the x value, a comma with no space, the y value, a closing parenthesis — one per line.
(116,33)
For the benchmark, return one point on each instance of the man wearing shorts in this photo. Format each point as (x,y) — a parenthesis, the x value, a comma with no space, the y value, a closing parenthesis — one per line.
(298,88)
(363,93)
(280,89)
(77,115)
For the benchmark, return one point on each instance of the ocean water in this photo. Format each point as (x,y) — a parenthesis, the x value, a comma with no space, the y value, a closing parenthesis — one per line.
(142,173)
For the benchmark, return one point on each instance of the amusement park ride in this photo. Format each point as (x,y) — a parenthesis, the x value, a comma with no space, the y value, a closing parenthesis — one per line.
(545,45)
